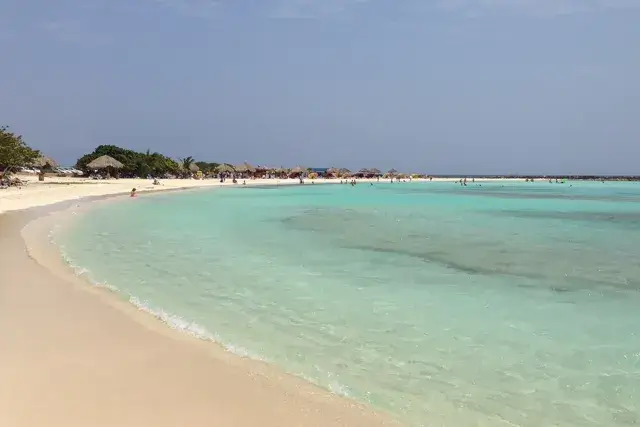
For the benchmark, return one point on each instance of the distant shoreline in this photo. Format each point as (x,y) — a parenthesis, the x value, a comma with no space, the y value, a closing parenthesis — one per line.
(570,177)
(58,189)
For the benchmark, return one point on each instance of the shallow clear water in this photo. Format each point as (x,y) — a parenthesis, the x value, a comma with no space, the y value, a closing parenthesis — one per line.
(505,304)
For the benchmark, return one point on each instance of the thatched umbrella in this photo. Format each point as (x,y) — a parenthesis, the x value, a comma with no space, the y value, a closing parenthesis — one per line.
(224,168)
(332,172)
(375,172)
(298,170)
(44,161)
(343,172)
(244,167)
(392,172)
(363,172)
(105,162)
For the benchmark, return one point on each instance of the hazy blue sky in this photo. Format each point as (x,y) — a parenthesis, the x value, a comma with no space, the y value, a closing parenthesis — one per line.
(440,86)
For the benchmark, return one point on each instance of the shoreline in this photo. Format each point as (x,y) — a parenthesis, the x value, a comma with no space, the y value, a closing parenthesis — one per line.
(78,354)
(62,189)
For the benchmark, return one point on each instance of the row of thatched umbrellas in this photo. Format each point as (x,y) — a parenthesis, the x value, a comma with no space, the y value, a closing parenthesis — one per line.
(105,162)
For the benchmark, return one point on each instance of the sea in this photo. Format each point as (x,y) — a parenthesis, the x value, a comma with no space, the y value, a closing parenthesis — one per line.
(493,304)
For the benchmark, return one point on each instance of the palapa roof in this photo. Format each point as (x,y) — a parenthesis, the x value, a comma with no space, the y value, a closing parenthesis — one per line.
(224,168)
(375,171)
(244,167)
(43,161)
(392,172)
(333,171)
(298,169)
(104,162)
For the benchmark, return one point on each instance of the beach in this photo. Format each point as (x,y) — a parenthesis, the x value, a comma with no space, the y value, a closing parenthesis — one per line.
(77,355)
(61,189)
(420,304)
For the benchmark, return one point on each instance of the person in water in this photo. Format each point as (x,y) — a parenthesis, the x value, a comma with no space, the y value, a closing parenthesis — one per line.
(133,192)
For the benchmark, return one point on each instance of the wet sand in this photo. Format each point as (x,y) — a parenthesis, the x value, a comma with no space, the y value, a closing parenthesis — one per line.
(72,354)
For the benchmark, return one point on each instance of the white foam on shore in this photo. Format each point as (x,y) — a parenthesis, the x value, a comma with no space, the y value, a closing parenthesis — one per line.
(325,380)
(198,331)
(172,320)
(191,328)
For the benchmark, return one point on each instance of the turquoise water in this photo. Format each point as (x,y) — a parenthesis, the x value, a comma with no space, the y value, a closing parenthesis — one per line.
(505,304)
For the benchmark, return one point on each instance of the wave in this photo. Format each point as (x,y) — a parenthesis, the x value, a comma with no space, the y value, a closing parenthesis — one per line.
(174,321)
(324,379)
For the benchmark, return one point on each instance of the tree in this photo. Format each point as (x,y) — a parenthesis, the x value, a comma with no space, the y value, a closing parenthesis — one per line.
(186,163)
(207,167)
(135,164)
(14,152)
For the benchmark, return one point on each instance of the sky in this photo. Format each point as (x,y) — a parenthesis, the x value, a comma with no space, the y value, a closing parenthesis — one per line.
(432,86)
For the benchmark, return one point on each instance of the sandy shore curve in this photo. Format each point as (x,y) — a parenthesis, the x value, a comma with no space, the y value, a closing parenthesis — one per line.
(78,355)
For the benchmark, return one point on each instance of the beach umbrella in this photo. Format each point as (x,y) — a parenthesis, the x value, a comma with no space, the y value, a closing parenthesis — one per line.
(298,170)
(333,171)
(343,172)
(375,171)
(44,161)
(104,162)
(244,167)
(224,168)
(194,168)
(392,172)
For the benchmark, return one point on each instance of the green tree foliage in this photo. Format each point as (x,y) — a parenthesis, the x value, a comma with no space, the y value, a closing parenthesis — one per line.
(207,167)
(14,152)
(186,163)
(135,163)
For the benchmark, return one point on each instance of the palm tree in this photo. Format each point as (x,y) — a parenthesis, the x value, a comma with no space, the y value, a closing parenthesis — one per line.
(185,164)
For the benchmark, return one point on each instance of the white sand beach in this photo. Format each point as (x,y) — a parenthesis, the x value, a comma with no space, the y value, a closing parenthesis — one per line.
(60,189)
(76,355)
